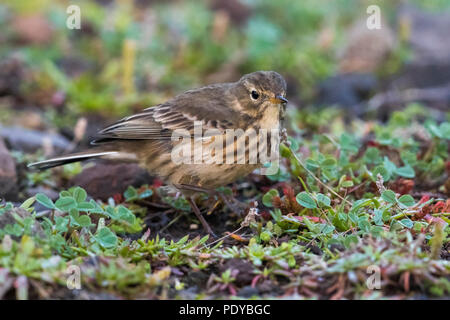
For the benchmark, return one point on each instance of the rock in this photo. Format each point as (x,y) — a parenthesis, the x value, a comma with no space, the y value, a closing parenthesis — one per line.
(422,76)
(248,292)
(8,174)
(346,90)
(245,268)
(7,283)
(8,218)
(105,180)
(269,287)
(73,65)
(32,29)
(30,119)
(52,194)
(12,76)
(189,293)
(366,49)
(427,34)
(31,140)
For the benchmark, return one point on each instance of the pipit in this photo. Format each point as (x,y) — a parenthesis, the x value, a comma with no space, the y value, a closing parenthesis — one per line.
(255,102)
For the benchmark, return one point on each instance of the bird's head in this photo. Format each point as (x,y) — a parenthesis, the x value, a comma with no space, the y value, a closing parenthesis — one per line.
(258,90)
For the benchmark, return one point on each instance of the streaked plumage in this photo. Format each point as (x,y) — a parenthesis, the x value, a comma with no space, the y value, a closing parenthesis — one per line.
(146,137)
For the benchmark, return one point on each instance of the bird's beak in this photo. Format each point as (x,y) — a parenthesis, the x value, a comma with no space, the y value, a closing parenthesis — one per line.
(279,100)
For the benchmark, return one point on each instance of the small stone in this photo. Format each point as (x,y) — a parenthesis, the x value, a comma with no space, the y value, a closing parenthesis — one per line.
(245,268)
(33,29)
(8,174)
(105,180)
(30,141)
(12,75)
(347,90)
(30,120)
(427,34)
(52,194)
(366,50)
(248,292)
(193,226)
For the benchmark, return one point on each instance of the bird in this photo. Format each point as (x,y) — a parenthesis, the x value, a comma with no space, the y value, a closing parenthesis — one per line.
(257,101)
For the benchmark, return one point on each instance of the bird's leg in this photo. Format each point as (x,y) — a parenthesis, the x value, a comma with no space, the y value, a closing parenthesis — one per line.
(200,217)
(190,187)
(234,205)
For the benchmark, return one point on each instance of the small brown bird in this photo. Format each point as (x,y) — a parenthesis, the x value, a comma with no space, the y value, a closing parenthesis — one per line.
(257,101)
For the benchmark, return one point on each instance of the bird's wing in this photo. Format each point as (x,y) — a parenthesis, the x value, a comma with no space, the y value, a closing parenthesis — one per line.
(160,121)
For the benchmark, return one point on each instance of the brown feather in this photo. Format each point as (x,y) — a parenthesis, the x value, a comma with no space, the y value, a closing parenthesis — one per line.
(146,136)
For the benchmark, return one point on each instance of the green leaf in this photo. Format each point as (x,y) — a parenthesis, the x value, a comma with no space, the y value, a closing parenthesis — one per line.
(28,203)
(389,196)
(305,200)
(382,171)
(13,229)
(85,206)
(146,193)
(112,213)
(45,201)
(328,163)
(323,200)
(372,155)
(433,129)
(385,138)
(265,236)
(276,214)
(84,221)
(312,164)
(376,230)
(183,240)
(65,193)
(65,203)
(406,200)
(348,143)
(130,194)
(327,229)
(378,217)
(79,194)
(61,224)
(364,224)
(96,207)
(444,128)
(294,143)
(406,171)
(347,184)
(268,197)
(106,238)
(79,220)
(126,215)
(389,165)
(350,239)
(407,223)
(353,217)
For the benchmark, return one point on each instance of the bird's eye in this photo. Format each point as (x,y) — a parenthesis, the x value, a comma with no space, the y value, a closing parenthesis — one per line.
(254,95)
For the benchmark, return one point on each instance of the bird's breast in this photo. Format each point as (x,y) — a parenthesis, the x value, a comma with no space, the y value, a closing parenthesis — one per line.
(270,118)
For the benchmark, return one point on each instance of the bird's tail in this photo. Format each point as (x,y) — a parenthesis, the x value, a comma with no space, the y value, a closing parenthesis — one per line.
(75,157)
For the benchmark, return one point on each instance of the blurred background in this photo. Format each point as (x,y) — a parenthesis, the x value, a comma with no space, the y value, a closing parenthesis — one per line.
(58,86)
